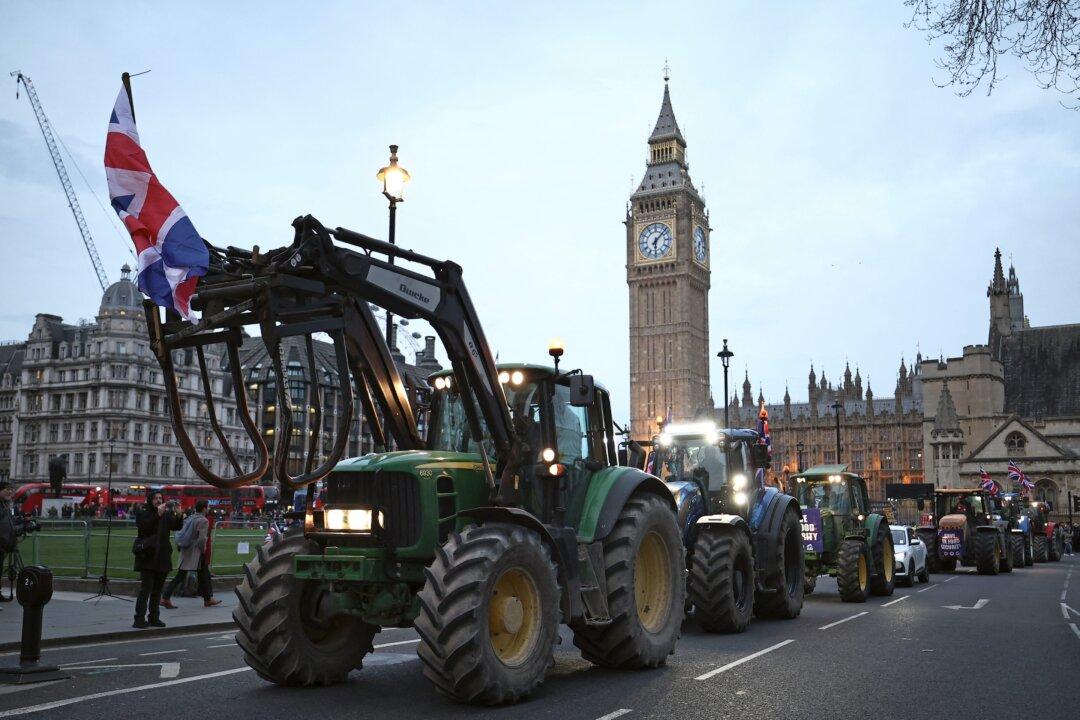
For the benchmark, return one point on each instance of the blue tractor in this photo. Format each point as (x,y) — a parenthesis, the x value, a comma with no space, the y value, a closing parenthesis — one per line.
(744,542)
(1011,506)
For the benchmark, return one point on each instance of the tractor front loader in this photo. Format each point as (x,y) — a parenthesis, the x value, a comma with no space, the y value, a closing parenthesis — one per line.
(510,517)
(744,543)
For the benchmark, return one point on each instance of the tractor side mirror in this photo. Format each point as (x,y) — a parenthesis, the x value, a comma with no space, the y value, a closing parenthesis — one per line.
(759,457)
(582,390)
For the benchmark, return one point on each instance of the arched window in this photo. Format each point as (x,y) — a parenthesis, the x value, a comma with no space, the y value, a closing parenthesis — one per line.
(1016,443)
(1046,491)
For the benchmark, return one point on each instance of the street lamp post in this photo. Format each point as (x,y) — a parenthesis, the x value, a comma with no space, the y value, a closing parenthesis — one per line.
(799,447)
(393,178)
(725,356)
(836,407)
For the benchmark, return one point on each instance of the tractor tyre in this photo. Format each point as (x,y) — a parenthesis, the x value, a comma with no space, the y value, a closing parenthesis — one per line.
(786,601)
(1040,545)
(809,583)
(1005,563)
(909,578)
(1057,545)
(924,574)
(646,588)
(1017,551)
(987,554)
(489,614)
(929,538)
(853,571)
(946,565)
(1029,550)
(884,580)
(721,585)
(284,629)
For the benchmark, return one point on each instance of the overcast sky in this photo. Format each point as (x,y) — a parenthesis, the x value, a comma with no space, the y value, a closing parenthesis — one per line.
(855,205)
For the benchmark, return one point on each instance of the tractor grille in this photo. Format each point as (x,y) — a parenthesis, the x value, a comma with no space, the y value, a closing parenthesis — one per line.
(395,494)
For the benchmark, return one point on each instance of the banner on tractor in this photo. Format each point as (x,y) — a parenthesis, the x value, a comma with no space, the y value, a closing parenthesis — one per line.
(811,530)
(950,544)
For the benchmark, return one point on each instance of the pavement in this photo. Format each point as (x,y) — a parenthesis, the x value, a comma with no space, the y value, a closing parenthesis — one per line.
(72,617)
(962,646)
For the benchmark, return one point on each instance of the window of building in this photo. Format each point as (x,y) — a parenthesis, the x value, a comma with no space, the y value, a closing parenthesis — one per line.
(178,468)
(151,465)
(76,464)
(121,348)
(1016,443)
(152,433)
(138,432)
(166,464)
(29,464)
(91,463)
(136,463)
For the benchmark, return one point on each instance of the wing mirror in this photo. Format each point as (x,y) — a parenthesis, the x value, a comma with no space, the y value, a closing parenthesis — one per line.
(582,390)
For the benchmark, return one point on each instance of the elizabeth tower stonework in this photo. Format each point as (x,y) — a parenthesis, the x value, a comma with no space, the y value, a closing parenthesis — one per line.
(667,268)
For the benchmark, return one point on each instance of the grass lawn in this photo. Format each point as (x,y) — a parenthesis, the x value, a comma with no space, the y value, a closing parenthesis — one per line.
(64,551)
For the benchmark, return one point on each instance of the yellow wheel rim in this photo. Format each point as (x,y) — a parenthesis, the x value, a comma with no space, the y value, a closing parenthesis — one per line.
(652,582)
(887,559)
(862,572)
(514,617)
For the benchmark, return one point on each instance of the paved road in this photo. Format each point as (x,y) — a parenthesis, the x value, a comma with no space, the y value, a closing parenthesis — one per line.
(906,656)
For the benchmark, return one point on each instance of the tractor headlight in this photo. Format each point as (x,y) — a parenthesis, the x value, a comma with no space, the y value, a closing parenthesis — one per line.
(738,482)
(353,519)
(548,455)
(665,440)
(740,498)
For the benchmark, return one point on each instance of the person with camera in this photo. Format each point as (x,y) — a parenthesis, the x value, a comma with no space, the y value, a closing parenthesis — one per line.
(9,536)
(153,555)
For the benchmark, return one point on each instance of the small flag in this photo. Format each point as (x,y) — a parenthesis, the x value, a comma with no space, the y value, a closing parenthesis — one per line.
(1019,476)
(172,255)
(988,483)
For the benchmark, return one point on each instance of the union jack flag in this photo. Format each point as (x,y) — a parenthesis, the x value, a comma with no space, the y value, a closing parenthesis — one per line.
(764,438)
(1019,476)
(172,255)
(988,483)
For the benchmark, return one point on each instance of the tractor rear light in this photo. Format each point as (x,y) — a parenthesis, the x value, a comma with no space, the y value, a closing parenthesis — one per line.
(556,470)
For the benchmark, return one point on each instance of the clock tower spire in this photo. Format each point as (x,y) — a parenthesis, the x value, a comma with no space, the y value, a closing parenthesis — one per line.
(667,270)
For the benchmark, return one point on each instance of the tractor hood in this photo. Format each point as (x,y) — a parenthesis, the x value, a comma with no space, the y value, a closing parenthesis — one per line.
(953,521)
(412,461)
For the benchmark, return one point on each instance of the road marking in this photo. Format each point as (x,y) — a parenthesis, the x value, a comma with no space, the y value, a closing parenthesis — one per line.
(930,587)
(110,693)
(1065,610)
(162,652)
(212,647)
(1075,629)
(736,663)
(613,715)
(893,602)
(91,662)
(168,669)
(838,622)
(950,579)
(158,638)
(979,605)
(408,642)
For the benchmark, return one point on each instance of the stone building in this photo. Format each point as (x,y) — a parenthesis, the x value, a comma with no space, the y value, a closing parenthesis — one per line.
(1015,398)
(94,394)
(667,270)
(11,358)
(880,437)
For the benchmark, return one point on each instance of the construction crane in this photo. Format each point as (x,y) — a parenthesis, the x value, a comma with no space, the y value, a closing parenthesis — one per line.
(61,171)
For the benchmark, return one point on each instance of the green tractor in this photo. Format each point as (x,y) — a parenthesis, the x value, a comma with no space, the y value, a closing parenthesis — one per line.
(510,517)
(966,528)
(842,537)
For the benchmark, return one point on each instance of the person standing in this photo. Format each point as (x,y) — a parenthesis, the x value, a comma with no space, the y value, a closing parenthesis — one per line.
(153,556)
(193,542)
(9,537)
(1068,539)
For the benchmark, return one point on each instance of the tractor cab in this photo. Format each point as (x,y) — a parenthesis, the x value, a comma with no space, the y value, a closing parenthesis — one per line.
(1039,513)
(967,509)
(840,496)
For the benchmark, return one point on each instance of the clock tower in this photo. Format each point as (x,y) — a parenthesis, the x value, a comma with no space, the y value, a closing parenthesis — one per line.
(668,247)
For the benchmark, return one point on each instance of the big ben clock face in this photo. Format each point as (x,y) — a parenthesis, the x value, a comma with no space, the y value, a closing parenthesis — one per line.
(700,247)
(655,241)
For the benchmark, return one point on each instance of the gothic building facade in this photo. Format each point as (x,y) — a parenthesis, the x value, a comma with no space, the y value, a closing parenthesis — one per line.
(668,249)
(880,437)
(1017,397)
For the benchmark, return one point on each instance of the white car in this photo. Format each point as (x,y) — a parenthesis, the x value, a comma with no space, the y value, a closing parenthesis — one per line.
(910,554)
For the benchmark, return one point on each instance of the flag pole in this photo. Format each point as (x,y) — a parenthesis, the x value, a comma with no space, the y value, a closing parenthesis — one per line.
(126,78)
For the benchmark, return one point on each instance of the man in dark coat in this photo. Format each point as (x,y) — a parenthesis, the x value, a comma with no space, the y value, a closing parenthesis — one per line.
(154,520)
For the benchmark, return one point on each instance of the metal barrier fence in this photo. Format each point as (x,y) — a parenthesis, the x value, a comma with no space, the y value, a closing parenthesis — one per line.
(77,548)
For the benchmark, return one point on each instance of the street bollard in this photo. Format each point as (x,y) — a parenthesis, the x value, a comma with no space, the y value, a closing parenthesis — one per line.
(34,590)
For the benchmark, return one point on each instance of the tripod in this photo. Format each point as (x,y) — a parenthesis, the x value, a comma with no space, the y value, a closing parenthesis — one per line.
(103,580)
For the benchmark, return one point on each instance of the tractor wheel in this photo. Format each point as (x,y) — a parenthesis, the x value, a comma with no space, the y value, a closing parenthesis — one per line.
(929,538)
(1005,562)
(721,583)
(1029,551)
(853,571)
(884,580)
(987,554)
(1057,545)
(1041,546)
(786,601)
(924,574)
(646,579)
(285,631)
(1017,551)
(489,614)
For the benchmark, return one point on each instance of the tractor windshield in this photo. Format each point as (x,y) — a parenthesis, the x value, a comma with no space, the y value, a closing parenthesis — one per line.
(831,496)
(450,426)
(686,455)
(957,504)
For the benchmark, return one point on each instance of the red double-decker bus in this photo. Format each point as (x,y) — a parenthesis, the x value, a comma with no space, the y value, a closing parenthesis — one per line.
(29,498)
(249,500)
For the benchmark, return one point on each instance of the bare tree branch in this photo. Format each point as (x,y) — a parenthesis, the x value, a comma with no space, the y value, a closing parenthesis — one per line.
(1043,34)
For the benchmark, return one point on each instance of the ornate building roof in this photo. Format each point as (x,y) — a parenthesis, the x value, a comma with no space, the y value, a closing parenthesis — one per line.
(122,294)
